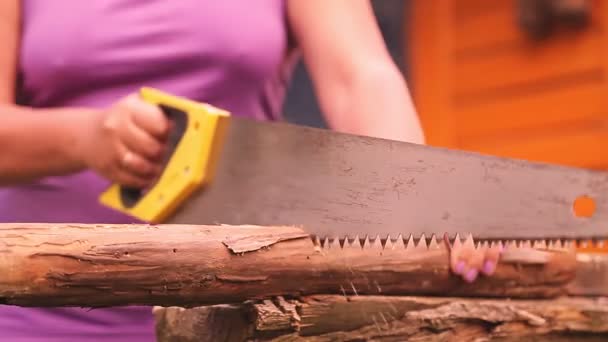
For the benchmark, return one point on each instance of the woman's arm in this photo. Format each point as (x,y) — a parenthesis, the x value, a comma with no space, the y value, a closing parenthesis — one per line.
(359,87)
(362,91)
(30,145)
(45,142)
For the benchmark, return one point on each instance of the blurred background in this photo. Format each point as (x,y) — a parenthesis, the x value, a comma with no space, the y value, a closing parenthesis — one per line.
(516,78)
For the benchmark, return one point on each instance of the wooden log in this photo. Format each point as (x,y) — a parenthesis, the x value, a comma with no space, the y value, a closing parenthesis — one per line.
(383,318)
(591,275)
(178,265)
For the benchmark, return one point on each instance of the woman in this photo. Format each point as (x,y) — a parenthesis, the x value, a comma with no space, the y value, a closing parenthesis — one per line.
(71,122)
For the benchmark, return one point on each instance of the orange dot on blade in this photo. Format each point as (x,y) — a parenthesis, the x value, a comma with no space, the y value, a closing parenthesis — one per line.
(584,206)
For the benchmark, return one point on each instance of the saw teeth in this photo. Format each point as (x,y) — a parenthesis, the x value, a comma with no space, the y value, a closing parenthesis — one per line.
(422,243)
(410,244)
(511,244)
(457,241)
(375,242)
(426,242)
(469,241)
(553,245)
(316,241)
(337,243)
(498,244)
(481,244)
(389,244)
(526,244)
(433,244)
(354,243)
(589,244)
(399,242)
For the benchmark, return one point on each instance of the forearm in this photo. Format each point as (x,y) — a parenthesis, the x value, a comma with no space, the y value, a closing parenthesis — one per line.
(360,89)
(38,143)
(373,101)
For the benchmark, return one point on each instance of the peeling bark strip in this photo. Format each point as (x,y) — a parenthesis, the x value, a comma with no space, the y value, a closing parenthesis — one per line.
(378,318)
(180,265)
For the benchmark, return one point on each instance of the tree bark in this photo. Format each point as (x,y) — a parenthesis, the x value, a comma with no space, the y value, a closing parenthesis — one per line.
(381,318)
(178,265)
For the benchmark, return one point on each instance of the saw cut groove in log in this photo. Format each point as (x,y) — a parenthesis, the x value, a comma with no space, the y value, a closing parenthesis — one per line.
(180,265)
(382,318)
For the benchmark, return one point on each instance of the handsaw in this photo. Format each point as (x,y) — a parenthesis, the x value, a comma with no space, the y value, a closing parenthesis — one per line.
(226,169)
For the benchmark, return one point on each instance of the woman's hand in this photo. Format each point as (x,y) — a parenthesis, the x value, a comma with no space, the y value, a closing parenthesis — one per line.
(469,262)
(126,142)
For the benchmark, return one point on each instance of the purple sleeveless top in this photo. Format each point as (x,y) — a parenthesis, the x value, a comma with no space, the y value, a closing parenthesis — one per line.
(75,53)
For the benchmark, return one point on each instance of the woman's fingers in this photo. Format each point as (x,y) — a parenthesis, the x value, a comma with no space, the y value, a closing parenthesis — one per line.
(459,255)
(142,135)
(474,264)
(141,142)
(138,168)
(469,261)
(473,260)
(130,180)
(125,143)
(149,118)
(492,255)
(144,127)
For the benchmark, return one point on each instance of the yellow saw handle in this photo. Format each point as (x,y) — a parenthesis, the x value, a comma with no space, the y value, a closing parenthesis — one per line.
(195,147)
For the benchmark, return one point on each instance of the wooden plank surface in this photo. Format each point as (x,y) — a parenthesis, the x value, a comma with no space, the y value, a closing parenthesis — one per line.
(499,18)
(582,145)
(510,95)
(380,318)
(531,110)
(526,63)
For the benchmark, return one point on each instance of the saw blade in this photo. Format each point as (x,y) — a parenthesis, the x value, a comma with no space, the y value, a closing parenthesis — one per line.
(334,184)
(413,243)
